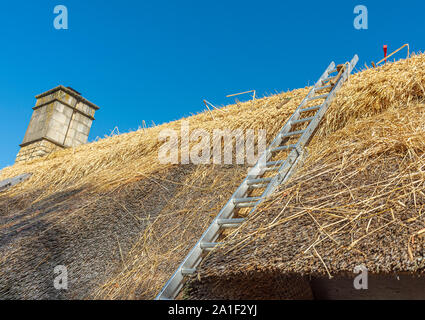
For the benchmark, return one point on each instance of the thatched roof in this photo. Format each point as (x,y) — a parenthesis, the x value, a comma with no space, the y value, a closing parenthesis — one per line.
(122,222)
(113,214)
(355,203)
(358,200)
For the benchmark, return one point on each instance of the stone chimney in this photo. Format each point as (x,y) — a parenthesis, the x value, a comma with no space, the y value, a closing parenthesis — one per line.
(62,118)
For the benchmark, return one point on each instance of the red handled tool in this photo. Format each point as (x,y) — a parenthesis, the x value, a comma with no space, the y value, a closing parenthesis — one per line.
(385,52)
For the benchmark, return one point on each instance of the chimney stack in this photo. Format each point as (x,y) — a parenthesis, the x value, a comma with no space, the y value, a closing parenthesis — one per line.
(62,118)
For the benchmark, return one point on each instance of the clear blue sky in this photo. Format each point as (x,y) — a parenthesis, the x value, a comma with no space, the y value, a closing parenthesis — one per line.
(157,60)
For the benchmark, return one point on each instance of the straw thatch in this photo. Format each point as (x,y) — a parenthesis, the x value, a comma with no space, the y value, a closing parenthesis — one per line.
(121,221)
(110,209)
(358,200)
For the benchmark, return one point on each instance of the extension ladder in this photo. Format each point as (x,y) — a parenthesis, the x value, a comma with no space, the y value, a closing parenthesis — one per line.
(305,116)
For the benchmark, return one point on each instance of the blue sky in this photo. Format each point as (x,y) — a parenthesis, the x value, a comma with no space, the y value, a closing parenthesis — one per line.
(157,60)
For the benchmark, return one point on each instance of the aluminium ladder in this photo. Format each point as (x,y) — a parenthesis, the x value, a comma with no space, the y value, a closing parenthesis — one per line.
(331,79)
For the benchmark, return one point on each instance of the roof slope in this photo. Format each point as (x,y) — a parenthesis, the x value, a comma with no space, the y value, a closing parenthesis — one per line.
(122,222)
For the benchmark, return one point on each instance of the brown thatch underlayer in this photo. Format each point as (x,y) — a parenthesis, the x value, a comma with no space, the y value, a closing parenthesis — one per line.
(93,234)
(275,285)
(250,285)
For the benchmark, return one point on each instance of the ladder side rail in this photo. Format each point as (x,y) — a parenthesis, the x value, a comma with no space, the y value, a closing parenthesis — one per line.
(294,154)
(192,260)
(305,138)
(288,168)
(174,284)
(283,170)
(285,129)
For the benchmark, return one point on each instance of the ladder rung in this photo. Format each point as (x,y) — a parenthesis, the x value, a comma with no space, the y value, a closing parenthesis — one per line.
(257,181)
(187,271)
(311,108)
(302,120)
(291,146)
(245,200)
(329,79)
(293,133)
(324,87)
(323,96)
(258,186)
(271,169)
(230,223)
(208,245)
(246,205)
(333,70)
(274,163)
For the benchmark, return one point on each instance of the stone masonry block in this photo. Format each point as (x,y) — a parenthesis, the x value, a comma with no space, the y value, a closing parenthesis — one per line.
(61,118)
